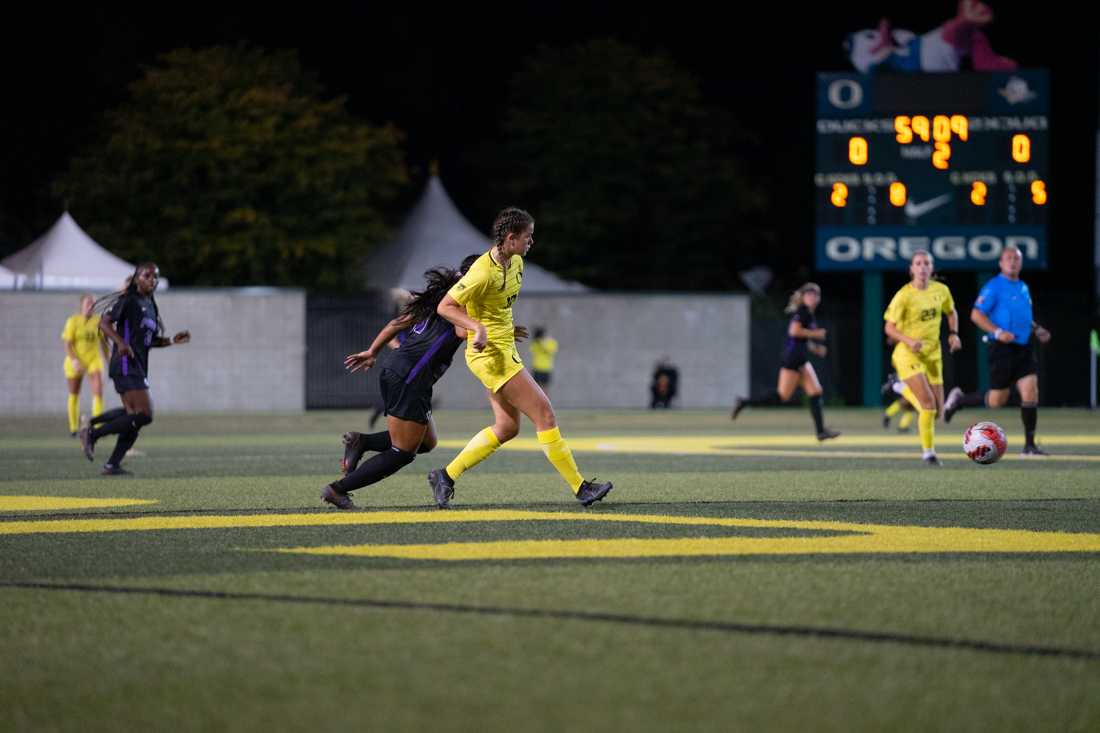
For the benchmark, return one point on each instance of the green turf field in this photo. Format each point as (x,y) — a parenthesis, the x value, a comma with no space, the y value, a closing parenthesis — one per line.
(739,577)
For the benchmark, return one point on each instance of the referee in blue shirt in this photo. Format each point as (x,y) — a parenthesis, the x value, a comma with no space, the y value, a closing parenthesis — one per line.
(1003,311)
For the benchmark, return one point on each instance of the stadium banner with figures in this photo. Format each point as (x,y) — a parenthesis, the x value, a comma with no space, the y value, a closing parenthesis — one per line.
(956,164)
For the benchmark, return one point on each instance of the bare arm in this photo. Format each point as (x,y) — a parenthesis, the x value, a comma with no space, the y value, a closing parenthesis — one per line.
(892,331)
(981,320)
(454,312)
(954,343)
(366,359)
(798,331)
(112,335)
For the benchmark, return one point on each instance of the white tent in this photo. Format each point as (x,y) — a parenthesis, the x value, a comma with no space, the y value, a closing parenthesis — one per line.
(7,279)
(434,234)
(66,258)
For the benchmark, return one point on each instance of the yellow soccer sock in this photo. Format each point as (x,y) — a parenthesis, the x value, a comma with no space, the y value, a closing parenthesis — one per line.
(97,405)
(480,447)
(926,423)
(906,420)
(74,412)
(911,397)
(558,453)
(894,408)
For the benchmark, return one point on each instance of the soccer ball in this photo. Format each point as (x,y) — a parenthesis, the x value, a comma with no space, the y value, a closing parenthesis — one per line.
(985,442)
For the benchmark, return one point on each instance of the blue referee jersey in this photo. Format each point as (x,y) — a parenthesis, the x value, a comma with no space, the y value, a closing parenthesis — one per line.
(1008,304)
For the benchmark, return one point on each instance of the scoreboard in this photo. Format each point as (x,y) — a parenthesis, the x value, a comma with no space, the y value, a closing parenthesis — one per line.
(953,163)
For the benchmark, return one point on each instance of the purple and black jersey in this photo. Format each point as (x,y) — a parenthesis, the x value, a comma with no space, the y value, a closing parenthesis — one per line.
(795,351)
(135,319)
(426,351)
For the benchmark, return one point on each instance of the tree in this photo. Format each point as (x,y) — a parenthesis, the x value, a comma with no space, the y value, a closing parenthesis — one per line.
(227,167)
(632,179)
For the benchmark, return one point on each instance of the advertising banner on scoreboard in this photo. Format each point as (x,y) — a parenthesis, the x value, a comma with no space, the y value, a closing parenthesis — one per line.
(954,248)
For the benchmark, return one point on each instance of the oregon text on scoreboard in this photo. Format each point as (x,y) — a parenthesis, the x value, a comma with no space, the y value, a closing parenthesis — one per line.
(953,163)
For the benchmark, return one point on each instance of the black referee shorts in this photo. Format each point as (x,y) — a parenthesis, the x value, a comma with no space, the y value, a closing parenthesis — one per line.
(1009,363)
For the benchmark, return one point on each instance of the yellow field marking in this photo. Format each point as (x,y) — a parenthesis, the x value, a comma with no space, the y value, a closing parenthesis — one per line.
(949,445)
(46,503)
(856,538)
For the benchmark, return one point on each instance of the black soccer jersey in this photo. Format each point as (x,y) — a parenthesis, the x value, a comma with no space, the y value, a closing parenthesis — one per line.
(795,349)
(135,319)
(427,351)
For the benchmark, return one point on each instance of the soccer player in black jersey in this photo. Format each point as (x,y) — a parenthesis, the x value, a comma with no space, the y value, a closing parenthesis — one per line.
(131,322)
(429,345)
(803,336)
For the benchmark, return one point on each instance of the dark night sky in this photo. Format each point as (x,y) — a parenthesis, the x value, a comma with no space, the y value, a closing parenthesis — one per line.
(442,76)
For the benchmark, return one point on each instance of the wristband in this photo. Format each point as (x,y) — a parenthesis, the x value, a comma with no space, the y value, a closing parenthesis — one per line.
(952,333)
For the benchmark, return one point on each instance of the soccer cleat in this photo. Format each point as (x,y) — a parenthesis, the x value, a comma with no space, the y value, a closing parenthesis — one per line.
(1033,451)
(339,499)
(443,488)
(932,460)
(86,443)
(952,404)
(885,422)
(828,433)
(109,470)
(353,452)
(738,405)
(887,388)
(590,492)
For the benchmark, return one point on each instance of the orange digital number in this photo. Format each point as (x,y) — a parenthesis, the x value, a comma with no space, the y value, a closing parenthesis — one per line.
(978,191)
(898,193)
(941,155)
(1021,148)
(941,128)
(904,132)
(1038,192)
(857,151)
(961,127)
(839,196)
(920,127)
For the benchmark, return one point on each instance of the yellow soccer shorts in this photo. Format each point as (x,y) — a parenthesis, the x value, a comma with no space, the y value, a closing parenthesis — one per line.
(494,366)
(88,366)
(909,364)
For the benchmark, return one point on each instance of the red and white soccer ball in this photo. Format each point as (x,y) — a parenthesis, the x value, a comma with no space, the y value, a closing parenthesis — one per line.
(985,442)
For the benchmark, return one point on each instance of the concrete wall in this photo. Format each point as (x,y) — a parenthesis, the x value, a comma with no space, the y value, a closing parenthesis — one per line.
(247,352)
(608,345)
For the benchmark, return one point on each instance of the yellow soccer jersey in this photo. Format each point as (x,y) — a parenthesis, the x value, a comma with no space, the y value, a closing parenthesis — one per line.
(84,335)
(917,313)
(488,291)
(542,354)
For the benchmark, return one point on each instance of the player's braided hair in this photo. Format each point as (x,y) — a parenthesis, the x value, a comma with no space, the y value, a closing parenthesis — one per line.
(510,221)
(439,280)
(795,301)
(129,290)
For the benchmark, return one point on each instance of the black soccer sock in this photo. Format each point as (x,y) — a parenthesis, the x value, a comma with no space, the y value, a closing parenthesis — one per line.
(1029,415)
(376,442)
(972,399)
(116,425)
(374,470)
(771,398)
(815,410)
(124,443)
(107,416)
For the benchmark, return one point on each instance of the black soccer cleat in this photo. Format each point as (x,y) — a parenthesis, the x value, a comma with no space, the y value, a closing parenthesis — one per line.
(885,422)
(932,461)
(109,470)
(339,499)
(590,492)
(887,388)
(828,434)
(353,451)
(738,405)
(952,404)
(86,443)
(1033,451)
(443,488)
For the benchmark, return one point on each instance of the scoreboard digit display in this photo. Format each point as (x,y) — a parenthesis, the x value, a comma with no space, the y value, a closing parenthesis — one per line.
(953,163)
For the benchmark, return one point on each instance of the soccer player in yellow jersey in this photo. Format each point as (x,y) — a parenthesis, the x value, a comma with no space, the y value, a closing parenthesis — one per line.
(85,349)
(543,350)
(913,319)
(481,302)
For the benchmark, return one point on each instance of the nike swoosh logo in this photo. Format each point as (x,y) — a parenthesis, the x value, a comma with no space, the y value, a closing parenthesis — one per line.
(915,211)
